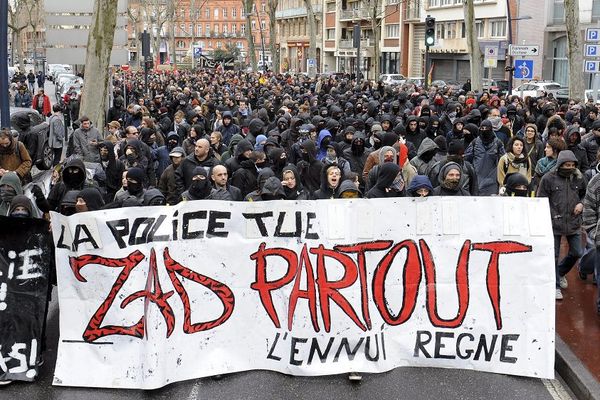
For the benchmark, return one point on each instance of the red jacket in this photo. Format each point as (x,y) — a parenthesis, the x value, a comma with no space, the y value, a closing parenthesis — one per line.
(47,107)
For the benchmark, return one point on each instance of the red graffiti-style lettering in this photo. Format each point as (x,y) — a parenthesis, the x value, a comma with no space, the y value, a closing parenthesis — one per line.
(329,290)
(462,284)
(493,275)
(93,331)
(411,280)
(222,291)
(361,249)
(308,294)
(265,287)
(156,295)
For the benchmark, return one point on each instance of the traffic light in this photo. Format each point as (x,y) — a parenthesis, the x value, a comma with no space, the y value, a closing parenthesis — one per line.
(145,39)
(149,63)
(429,31)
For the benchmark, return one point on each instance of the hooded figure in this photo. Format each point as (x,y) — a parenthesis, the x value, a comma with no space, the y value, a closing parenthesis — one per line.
(231,148)
(572,138)
(323,141)
(200,188)
(331,177)
(516,184)
(89,199)
(73,178)
(420,186)
(21,206)
(386,154)
(389,182)
(449,179)
(261,179)
(414,134)
(292,184)
(348,190)
(109,172)
(240,154)
(425,159)
(309,167)
(10,186)
(484,153)
(271,190)
(154,197)
(228,129)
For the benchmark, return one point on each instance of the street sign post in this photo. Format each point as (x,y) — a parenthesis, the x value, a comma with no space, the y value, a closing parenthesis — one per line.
(592,35)
(523,69)
(592,50)
(590,66)
(524,50)
(197,51)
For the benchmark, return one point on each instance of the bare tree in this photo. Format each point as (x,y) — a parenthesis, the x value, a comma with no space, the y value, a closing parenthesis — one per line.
(475,56)
(312,30)
(97,61)
(576,79)
(248,10)
(135,18)
(271,11)
(34,18)
(17,24)
(156,14)
(377,14)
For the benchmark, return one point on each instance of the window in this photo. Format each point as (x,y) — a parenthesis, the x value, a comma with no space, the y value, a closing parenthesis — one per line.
(234,12)
(180,44)
(199,30)
(560,62)
(447,2)
(330,7)
(479,27)
(392,1)
(242,13)
(498,28)
(434,3)
(190,30)
(181,29)
(243,29)
(201,45)
(253,25)
(451,30)
(558,16)
(392,31)
(216,29)
(263,7)
(595,10)
(208,30)
(263,24)
(218,45)
(225,29)
(330,34)
(207,13)
(224,13)
(233,29)
(216,13)
(440,31)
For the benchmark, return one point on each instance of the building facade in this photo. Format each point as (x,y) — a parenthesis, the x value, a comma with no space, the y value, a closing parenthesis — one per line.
(293,34)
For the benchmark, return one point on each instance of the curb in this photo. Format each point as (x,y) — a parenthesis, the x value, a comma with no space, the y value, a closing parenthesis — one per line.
(574,373)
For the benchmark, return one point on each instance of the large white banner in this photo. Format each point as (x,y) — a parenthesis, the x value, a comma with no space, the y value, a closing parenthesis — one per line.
(150,296)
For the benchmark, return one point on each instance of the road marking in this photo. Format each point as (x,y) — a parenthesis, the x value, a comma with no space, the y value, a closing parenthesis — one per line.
(195,391)
(556,389)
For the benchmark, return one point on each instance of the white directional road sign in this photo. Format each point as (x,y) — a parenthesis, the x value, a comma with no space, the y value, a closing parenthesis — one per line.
(592,50)
(525,50)
(592,35)
(591,66)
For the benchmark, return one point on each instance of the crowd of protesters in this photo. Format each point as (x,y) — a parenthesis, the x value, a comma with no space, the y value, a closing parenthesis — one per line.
(237,136)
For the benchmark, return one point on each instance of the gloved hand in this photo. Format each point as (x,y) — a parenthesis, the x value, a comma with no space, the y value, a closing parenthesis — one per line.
(37,192)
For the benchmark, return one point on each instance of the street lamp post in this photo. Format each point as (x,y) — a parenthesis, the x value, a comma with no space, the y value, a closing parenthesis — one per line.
(509,67)
(4,101)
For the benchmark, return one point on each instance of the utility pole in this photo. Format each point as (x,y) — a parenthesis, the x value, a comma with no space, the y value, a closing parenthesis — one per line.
(4,106)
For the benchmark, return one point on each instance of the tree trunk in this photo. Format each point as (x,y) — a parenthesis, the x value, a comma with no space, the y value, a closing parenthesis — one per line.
(576,78)
(272,9)
(376,28)
(475,56)
(248,8)
(312,30)
(97,60)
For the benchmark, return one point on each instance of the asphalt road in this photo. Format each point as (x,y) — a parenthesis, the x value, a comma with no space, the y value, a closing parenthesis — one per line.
(401,383)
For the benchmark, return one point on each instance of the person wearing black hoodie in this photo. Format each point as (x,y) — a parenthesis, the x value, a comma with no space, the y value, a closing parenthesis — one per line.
(331,177)
(389,182)
(89,199)
(73,178)
(241,152)
(292,184)
(135,156)
(309,167)
(414,134)
(109,172)
(201,188)
(573,140)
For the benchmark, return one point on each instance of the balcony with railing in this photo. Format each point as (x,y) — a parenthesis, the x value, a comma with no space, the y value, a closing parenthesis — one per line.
(355,14)
(349,44)
(297,12)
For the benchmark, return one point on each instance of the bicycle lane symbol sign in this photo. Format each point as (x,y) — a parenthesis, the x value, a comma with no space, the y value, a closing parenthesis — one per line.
(523,69)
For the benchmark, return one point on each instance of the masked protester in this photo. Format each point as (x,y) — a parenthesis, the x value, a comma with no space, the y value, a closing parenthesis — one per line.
(10,186)
(73,177)
(89,199)
(201,188)
(349,189)
(21,207)
(14,156)
(515,185)
(109,171)
(565,189)
(449,180)
(484,153)
(167,184)
(389,182)
(425,159)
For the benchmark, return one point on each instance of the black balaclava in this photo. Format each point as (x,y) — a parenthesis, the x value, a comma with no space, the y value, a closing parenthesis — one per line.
(486,131)
(137,174)
(200,188)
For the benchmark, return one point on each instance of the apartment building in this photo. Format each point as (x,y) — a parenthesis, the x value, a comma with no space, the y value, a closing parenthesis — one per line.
(293,34)
(379,22)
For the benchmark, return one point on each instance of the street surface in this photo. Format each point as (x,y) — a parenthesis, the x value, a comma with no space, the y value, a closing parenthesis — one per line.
(401,383)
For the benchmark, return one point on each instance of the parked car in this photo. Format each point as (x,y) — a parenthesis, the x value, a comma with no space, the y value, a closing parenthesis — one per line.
(415,81)
(44,155)
(536,89)
(455,86)
(77,87)
(439,83)
(392,79)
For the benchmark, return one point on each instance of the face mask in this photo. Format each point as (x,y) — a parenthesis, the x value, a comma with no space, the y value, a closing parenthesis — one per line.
(451,184)
(330,159)
(486,135)
(20,214)
(566,172)
(518,192)
(134,188)
(261,165)
(6,196)
(200,188)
